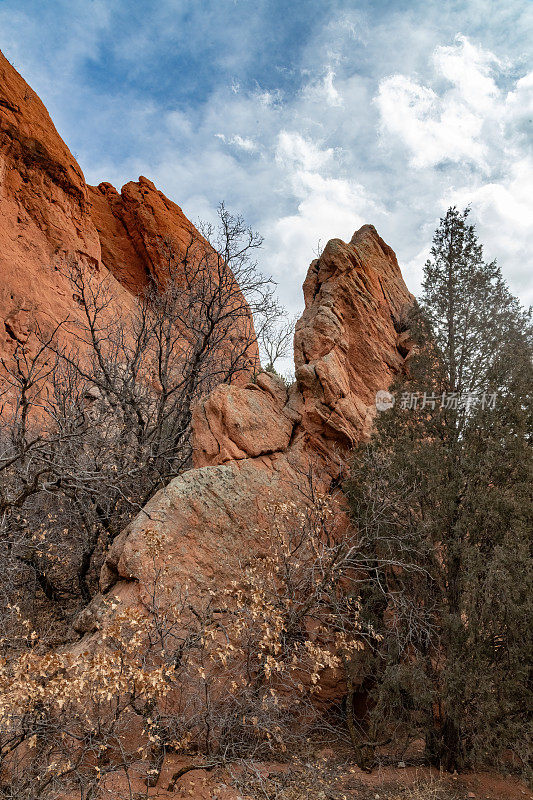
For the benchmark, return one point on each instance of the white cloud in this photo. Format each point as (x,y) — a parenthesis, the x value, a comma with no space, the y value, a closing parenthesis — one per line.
(355,24)
(466,133)
(463,122)
(294,149)
(433,130)
(298,146)
(240,142)
(470,70)
(518,109)
(503,212)
(269,98)
(324,90)
(332,95)
(453,124)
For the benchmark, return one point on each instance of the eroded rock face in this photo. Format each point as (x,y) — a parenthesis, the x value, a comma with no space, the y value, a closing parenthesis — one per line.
(45,218)
(255,444)
(346,343)
(50,218)
(133,226)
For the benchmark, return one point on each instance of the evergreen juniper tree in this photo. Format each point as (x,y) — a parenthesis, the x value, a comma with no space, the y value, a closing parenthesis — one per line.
(443,491)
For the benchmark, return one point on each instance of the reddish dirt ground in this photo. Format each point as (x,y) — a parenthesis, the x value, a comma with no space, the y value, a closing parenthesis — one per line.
(320,778)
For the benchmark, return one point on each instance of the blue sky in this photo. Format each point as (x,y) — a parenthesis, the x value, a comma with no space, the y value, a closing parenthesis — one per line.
(311,118)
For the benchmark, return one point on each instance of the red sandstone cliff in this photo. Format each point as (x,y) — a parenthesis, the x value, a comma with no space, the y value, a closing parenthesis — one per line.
(49,218)
(132,226)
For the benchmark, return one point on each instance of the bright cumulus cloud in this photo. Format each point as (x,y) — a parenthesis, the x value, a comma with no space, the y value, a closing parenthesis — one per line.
(479,126)
(433,128)
(464,122)
(348,112)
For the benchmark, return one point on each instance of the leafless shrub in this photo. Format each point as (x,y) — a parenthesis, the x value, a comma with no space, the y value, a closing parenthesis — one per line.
(237,675)
(92,424)
(275,341)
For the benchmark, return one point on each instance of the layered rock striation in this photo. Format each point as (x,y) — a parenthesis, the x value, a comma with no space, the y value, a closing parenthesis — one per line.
(254,446)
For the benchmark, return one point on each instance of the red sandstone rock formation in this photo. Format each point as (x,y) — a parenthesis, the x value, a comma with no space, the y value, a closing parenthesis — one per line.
(132,226)
(44,214)
(50,218)
(346,348)
(254,444)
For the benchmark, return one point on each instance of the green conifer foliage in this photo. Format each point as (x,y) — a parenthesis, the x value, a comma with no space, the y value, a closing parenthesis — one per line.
(443,495)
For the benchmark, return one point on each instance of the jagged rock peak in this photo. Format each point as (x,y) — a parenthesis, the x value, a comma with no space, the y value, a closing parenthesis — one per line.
(50,218)
(346,348)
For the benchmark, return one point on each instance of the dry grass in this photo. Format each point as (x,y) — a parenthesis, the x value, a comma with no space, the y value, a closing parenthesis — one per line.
(307,781)
(424,790)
